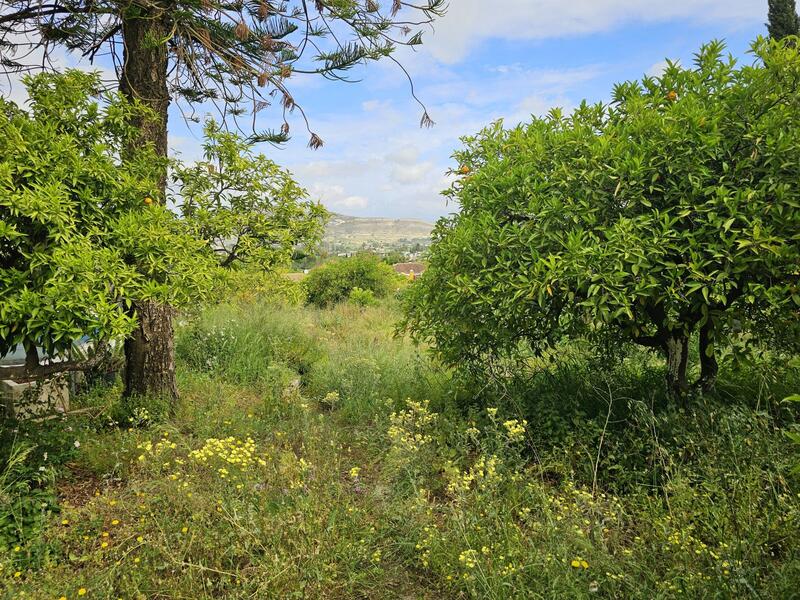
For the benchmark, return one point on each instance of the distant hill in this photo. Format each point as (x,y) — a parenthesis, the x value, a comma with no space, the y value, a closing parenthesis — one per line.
(346,230)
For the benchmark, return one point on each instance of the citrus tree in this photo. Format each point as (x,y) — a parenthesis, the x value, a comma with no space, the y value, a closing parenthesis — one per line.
(672,211)
(336,280)
(80,236)
(248,209)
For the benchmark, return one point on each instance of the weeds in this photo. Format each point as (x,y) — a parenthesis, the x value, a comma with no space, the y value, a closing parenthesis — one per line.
(313,454)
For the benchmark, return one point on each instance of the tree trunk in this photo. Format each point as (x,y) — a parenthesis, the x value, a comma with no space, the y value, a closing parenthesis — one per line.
(708,360)
(676,348)
(144,72)
(149,352)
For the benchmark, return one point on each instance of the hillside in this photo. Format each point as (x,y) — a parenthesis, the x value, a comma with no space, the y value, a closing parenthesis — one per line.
(345,230)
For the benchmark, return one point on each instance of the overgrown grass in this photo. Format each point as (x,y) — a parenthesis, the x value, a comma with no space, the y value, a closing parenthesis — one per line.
(314,454)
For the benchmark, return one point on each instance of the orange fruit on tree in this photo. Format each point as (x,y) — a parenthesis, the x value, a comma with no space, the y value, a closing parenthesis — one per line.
(148,200)
(672,95)
(464,169)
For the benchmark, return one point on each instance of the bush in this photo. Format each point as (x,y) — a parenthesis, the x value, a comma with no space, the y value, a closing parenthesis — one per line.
(334,281)
(362,298)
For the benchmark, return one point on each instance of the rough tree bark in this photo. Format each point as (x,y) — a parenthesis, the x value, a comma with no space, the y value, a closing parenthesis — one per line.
(149,352)
(676,348)
(144,70)
(708,359)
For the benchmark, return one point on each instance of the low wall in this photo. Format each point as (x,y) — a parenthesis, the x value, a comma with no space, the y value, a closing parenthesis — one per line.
(34,399)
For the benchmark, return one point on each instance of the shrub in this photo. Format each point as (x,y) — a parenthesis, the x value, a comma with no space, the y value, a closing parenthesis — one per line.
(334,281)
(362,298)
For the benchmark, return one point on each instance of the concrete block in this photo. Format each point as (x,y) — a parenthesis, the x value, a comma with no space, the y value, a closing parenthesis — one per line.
(35,399)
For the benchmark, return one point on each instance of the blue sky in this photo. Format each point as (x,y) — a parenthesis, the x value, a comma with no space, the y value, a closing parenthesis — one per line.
(525,57)
(514,59)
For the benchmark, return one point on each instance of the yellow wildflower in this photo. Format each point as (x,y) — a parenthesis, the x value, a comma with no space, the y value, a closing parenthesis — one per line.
(579,563)
(515,429)
(469,558)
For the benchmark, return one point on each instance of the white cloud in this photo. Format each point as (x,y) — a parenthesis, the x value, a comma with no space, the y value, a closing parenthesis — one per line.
(411,173)
(657,70)
(383,164)
(335,197)
(373,105)
(498,85)
(539,105)
(405,155)
(352,202)
(468,22)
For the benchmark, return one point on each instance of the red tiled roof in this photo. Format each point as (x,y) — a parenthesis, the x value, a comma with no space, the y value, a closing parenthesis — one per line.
(406,268)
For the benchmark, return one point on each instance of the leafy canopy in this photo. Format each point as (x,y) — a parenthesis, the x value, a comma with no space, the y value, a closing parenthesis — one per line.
(240,56)
(248,209)
(80,236)
(672,209)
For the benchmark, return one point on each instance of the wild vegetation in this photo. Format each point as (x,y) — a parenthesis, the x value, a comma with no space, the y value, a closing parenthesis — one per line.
(315,454)
(498,428)
(336,280)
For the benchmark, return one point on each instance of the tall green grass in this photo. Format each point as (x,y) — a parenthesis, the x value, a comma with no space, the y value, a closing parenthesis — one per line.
(387,476)
(349,350)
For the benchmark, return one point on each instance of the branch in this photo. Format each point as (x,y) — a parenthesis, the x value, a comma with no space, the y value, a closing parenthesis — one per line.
(33,369)
(38,12)
(649,341)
